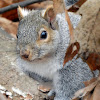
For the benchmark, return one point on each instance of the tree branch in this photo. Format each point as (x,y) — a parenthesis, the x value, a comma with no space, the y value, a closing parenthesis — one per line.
(22,4)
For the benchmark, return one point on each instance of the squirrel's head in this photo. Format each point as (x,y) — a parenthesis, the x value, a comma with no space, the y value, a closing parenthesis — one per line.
(37,35)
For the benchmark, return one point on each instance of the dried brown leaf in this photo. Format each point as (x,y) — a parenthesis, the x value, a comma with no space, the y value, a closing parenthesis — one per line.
(9,26)
(90,81)
(84,91)
(76,6)
(70,53)
(87,32)
(93,61)
(89,96)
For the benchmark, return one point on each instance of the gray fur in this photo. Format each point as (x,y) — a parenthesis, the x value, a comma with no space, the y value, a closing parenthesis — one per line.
(28,25)
(71,78)
(49,69)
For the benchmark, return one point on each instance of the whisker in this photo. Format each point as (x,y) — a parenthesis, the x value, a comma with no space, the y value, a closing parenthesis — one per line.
(13,51)
(13,54)
(7,51)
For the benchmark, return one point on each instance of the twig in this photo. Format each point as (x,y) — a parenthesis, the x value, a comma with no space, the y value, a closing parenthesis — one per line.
(22,4)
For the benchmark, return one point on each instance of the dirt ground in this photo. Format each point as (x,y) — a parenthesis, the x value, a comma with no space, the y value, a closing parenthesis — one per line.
(14,83)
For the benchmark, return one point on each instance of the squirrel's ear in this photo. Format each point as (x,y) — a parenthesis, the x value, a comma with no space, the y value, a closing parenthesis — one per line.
(50,16)
(22,12)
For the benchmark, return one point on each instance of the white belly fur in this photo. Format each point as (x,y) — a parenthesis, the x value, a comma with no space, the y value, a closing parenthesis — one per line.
(45,67)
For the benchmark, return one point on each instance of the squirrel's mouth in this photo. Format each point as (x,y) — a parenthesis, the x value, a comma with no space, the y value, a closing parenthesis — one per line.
(30,57)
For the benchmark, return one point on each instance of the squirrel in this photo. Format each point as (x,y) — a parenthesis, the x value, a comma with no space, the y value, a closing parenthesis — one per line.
(42,40)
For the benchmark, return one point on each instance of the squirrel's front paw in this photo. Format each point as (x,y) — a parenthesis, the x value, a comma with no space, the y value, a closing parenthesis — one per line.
(51,93)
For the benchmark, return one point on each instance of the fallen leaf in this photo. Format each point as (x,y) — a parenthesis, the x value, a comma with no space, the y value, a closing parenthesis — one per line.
(76,6)
(89,96)
(84,91)
(12,14)
(70,53)
(93,61)
(9,26)
(90,81)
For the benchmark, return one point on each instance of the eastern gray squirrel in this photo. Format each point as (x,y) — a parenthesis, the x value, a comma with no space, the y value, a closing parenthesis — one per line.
(42,40)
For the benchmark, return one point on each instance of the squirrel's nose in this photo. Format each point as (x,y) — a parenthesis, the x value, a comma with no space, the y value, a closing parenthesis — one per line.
(25,54)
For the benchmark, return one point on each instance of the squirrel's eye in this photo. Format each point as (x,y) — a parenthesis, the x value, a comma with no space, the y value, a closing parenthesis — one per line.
(43,35)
